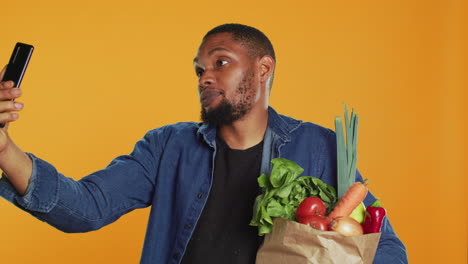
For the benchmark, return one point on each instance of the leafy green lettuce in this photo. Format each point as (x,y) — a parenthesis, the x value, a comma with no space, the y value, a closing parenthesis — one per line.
(283,191)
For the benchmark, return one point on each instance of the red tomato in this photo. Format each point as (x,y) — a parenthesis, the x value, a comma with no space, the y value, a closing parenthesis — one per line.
(316,221)
(310,206)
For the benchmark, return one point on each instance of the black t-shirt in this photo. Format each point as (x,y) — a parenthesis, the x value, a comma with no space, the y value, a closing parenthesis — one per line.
(223,234)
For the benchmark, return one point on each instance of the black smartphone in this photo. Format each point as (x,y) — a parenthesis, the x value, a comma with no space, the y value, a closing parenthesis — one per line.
(17,65)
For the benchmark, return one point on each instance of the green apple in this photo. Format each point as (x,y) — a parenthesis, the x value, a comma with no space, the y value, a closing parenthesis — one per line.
(359,213)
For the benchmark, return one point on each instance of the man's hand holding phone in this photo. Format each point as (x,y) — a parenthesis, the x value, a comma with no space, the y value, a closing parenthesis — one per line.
(15,164)
(11,77)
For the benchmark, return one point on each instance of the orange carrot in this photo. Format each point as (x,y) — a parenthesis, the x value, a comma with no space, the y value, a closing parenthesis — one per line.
(350,200)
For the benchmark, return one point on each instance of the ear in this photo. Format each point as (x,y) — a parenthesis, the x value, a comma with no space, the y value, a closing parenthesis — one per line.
(267,66)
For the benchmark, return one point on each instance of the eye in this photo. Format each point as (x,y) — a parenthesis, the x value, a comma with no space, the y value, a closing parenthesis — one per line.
(220,63)
(199,72)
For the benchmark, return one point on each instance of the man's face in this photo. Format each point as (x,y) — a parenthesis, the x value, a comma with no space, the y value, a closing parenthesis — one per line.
(227,83)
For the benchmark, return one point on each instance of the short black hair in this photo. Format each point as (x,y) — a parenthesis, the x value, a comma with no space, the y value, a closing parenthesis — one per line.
(256,42)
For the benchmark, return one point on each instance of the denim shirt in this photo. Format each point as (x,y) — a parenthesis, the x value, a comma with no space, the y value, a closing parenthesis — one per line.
(171,170)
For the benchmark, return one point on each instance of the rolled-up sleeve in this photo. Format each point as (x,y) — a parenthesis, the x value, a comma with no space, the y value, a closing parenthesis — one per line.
(41,195)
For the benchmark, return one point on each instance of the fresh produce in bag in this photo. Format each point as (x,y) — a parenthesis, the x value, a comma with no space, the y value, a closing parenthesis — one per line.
(334,226)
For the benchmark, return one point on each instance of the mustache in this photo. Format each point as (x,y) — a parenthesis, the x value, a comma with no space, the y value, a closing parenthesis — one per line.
(201,89)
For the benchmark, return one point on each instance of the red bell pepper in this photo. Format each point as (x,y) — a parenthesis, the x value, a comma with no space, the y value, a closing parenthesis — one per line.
(375,214)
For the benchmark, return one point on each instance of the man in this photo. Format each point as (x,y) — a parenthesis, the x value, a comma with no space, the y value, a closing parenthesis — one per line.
(199,178)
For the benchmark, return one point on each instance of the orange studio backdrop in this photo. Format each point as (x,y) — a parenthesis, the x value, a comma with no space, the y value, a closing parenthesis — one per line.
(105,72)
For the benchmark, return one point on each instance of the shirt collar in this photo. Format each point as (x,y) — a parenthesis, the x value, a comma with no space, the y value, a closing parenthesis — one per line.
(281,125)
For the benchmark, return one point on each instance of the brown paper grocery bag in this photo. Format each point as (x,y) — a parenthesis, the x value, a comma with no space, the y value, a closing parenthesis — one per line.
(295,243)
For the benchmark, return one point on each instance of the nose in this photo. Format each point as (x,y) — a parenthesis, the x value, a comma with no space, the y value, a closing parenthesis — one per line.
(206,79)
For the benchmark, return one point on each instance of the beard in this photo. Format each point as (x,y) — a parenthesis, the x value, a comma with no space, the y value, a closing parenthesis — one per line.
(227,112)
(224,114)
